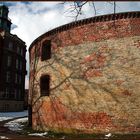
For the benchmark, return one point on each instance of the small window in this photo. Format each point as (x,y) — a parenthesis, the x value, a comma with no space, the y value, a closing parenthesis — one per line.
(10,46)
(21,52)
(8,76)
(45,85)
(18,50)
(17,63)
(46,50)
(9,61)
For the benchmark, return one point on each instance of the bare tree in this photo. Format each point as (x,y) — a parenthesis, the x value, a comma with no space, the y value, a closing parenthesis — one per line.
(75,8)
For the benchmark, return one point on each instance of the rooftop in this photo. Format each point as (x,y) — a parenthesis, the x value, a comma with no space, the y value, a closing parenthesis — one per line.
(102,18)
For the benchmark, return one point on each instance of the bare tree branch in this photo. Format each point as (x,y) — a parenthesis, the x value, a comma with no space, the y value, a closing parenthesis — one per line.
(77,8)
(94,8)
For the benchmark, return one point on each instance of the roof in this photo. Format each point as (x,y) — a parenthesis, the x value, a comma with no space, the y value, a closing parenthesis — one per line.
(15,37)
(102,18)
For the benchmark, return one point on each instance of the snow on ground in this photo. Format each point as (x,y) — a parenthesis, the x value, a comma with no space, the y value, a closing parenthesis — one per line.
(38,134)
(3,137)
(16,125)
(11,115)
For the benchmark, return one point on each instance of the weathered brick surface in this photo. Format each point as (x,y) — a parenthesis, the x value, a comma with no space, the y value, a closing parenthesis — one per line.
(95,79)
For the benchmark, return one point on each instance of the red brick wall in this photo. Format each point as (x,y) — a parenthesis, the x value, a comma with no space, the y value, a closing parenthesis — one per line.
(94,32)
(94,73)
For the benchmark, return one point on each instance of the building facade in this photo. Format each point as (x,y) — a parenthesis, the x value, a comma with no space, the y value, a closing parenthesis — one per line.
(85,78)
(12,66)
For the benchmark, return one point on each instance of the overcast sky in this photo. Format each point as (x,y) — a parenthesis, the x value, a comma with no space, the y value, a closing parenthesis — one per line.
(31,19)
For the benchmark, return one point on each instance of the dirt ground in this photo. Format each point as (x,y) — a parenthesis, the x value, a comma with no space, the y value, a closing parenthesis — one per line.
(5,133)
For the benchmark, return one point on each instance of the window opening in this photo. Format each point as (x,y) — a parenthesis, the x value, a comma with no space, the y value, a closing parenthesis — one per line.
(10,45)
(9,60)
(46,50)
(45,85)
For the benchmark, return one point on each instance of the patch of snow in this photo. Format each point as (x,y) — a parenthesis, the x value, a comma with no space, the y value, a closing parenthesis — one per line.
(108,135)
(3,137)
(11,115)
(16,124)
(38,134)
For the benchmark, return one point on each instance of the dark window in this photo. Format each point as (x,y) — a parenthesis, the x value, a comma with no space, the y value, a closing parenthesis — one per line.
(45,85)
(10,45)
(46,50)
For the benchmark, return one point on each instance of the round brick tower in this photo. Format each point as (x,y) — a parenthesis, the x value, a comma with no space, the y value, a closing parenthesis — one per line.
(85,78)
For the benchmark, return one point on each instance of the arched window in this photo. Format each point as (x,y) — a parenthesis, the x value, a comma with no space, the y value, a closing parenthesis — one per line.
(45,85)
(46,50)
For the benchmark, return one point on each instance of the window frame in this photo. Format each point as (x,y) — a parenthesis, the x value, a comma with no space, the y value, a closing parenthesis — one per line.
(45,92)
